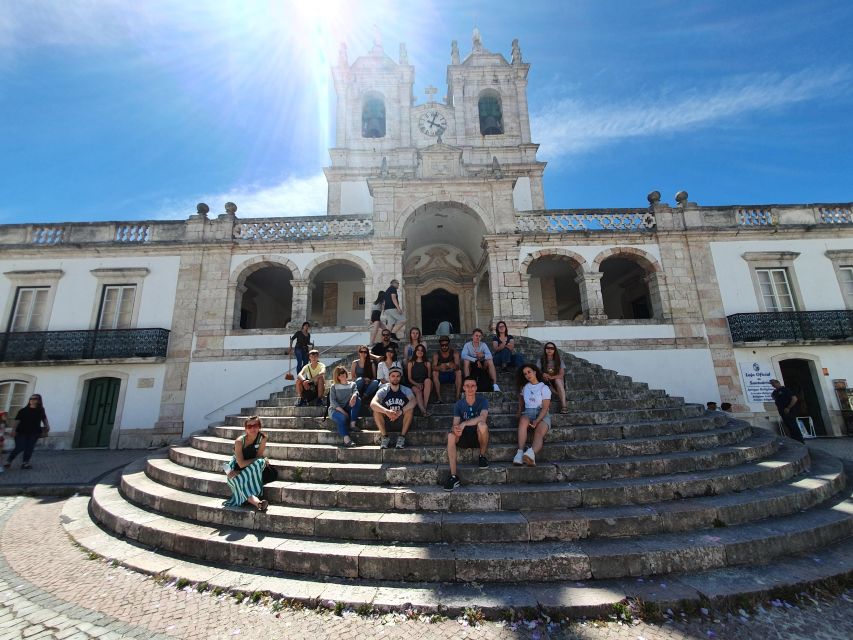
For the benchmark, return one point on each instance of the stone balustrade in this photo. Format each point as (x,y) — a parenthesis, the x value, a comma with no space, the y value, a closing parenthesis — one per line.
(279,229)
(586,220)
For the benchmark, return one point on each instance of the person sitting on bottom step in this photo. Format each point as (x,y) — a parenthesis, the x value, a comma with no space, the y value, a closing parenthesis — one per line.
(533,405)
(470,429)
(393,406)
(311,383)
(476,354)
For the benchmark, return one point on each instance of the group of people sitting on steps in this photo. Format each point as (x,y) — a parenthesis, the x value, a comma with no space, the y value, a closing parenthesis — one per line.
(378,379)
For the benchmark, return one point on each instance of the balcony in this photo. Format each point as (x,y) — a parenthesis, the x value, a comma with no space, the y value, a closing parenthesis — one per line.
(61,346)
(792,326)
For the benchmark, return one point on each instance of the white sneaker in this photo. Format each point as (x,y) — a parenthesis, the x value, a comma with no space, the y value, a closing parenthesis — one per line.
(517,459)
(383,444)
(401,442)
(529,458)
(496,388)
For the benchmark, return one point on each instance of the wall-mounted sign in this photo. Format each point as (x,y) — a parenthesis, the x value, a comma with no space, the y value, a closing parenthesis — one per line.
(756,381)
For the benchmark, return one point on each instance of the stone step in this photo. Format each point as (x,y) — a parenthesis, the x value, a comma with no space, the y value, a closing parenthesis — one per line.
(591,598)
(430,446)
(743,544)
(607,393)
(704,422)
(427,432)
(825,479)
(510,408)
(674,476)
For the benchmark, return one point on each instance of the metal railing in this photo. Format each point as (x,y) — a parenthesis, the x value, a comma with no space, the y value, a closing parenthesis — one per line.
(791,326)
(51,346)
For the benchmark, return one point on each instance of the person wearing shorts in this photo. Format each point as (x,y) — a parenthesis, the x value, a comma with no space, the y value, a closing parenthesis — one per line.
(533,405)
(393,406)
(446,368)
(394,316)
(470,429)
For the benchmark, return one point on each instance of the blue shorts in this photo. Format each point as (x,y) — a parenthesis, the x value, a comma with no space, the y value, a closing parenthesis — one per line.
(532,414)
(447,376)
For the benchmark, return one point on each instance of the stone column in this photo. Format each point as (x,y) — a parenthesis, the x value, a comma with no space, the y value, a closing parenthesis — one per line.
(510,296)
(656,283)
(592,302)
(369,297)
(300,304)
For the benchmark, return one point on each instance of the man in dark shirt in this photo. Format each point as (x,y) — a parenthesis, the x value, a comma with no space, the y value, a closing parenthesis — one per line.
(377,351)
(785,403)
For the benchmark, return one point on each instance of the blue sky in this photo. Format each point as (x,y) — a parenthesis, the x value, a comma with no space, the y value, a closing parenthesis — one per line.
(138,110)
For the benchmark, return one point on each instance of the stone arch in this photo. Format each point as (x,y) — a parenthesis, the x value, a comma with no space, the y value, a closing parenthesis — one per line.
(643,258)
(555,291)
(472,207)
(577,258)
(329,315)
(329,259)
(490,112)
(239,275)
(630,292)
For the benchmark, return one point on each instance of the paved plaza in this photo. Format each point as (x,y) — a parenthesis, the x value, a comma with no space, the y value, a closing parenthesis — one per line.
(53,589)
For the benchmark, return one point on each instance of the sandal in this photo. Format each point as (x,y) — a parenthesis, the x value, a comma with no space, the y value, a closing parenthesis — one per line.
(263,505)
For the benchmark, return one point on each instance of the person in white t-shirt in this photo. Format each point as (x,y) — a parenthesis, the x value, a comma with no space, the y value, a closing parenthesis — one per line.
(533,404)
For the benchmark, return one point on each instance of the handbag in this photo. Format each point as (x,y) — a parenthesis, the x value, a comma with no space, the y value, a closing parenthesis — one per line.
(269,474)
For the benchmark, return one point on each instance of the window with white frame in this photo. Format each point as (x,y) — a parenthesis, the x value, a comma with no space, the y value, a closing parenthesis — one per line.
(117,307)
(30,310)
(13,396)
(775,289)
(845,274)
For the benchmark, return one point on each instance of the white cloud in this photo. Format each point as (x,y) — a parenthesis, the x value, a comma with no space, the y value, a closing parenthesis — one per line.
(568,127)
(292,197)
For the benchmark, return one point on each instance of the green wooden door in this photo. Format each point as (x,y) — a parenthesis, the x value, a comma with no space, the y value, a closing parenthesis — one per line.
(99,412)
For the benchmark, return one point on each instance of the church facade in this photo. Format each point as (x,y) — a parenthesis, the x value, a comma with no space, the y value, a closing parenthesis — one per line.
(141,333)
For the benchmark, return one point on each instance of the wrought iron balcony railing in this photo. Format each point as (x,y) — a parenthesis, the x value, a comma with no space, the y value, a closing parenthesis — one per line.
(35,346)
(791,326)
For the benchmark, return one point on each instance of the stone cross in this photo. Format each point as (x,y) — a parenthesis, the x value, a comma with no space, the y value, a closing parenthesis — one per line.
(430,91)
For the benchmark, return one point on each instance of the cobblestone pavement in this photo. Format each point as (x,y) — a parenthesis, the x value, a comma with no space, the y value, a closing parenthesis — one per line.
(51,589)
(65,468)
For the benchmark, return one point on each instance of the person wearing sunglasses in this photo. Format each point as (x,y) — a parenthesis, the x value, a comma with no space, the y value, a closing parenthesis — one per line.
(28,429)
(554,373)
(363,371)
(446,368)
(377,351)
(246,467)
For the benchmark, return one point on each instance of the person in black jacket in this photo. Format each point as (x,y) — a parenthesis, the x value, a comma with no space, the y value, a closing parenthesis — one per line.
(28,429)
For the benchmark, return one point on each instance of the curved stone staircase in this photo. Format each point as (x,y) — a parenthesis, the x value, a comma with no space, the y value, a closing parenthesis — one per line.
(631,483)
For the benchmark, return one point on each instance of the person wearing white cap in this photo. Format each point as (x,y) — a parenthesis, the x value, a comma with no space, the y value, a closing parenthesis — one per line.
(393,406)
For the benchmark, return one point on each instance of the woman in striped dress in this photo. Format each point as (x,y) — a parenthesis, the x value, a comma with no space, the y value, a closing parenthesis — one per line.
(245,470)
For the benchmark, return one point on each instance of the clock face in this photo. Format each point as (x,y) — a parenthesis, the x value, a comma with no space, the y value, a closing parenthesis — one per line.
(432,123)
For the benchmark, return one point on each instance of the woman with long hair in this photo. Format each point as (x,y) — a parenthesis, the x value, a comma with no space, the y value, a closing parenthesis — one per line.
(376,324)
(503,348)
(364,374)
(534,401)
(344,404)
(246,467)
(390,360)
(553,373)
(28,429)
(414,341)
(420,378)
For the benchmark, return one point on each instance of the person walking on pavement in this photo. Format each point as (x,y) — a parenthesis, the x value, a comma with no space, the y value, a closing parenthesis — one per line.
(28,429)
(785,403)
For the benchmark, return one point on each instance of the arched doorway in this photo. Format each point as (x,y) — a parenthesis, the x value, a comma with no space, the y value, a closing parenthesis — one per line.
(624,289)
(267,297)
(798,375)
(437,306)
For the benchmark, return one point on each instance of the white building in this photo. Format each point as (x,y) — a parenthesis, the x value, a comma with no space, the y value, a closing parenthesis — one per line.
(140,333)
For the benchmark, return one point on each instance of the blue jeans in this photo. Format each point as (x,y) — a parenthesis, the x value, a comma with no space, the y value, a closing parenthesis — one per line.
(301,354)
(342,421)
(366,389)
(505,356)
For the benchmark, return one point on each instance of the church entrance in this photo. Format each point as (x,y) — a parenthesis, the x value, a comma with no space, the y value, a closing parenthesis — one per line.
(438,306)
